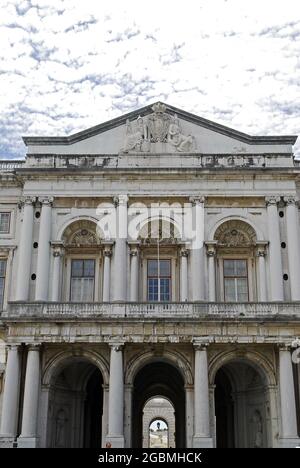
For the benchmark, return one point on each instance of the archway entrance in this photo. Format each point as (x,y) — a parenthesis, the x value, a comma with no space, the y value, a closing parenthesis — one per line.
(162,382)
(241,407)
(75,406)
(158,423)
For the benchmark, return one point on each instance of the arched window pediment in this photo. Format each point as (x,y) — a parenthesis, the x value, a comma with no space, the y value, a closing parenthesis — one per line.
(235,233)
(82,233)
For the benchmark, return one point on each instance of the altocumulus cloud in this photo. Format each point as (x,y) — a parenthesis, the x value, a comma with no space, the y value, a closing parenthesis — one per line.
(66,65)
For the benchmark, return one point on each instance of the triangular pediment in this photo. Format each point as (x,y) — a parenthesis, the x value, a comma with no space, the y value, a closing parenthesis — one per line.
(157,128)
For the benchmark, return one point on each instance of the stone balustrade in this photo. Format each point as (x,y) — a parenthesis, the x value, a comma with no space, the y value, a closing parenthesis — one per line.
(175,310)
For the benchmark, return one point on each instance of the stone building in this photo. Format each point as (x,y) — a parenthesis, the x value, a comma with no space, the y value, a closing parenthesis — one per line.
(155,255)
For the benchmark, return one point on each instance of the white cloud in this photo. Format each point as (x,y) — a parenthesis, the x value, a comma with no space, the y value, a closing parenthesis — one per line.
(66,65)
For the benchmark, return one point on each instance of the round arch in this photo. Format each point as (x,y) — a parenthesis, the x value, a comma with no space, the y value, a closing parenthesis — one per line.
(165,219)
(253,358)
(75,219)
(258,232)
(60,360)
(173,358)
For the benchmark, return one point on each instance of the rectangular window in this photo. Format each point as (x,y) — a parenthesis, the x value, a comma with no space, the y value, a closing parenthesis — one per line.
(159,280)
(236,281)
(4,223)
(2,281)
(82,280)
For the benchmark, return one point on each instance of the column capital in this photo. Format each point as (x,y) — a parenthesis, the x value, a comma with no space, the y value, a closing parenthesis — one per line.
(296,343)
(33,346)
(284,347)
(46,200)
(134,247)
(272,200)
(184,252)
(201,345)
(107,252)
(261,249)
(116,346)
(197,200)
(291,200)
(13,346)
(58,249)
(27,200)
(211,247)
(120,200)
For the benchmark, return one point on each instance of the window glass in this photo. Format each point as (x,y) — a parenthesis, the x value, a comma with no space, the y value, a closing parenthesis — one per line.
(4,222)
(235,280)
(82,280)
(159,280)
(2,281)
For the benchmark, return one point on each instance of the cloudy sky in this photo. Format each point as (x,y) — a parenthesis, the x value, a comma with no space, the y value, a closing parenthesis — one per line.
(66,65)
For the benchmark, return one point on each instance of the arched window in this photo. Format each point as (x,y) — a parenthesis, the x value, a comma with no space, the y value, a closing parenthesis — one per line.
(236,269)
(82,262)
(159,242)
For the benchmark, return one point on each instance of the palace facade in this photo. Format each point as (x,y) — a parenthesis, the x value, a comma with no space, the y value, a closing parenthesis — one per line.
(150,287)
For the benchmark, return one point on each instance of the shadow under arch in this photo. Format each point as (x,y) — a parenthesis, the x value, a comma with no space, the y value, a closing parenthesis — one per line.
(61,359)
(74,383)
(164,379)
(242,398)
(173,358)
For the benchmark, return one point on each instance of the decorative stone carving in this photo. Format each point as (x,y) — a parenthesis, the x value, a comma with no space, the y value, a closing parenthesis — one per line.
(81,233)
(181,142)
(136,136)
(235,233)
(84,237)
(142,134)
(258,429)
(159,123)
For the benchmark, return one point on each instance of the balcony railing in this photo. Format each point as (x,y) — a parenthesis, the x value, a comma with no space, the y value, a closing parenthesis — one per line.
(131,310)
(10,164)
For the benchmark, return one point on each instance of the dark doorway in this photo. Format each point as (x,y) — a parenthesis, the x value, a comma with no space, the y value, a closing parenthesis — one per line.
(224,411)
(158,378)
(93,411)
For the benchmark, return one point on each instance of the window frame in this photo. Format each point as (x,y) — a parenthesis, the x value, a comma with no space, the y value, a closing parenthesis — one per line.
(67,274)
(240,254)
(9,221)
(3,298)
(168,277)
(224,259)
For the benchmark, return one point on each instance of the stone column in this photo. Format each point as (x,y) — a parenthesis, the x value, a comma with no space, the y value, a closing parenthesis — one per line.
(106,274)
(25,249)
(10,403)
(184,291)
(43,261)
(289,437)
(275,262)
(262,285)
(189,415)
(292,227)
(211,253)
(115,434)
(134,273)
(28,437)
(120,254)
(58,253)
(105,414)
(197,257)
(202,437)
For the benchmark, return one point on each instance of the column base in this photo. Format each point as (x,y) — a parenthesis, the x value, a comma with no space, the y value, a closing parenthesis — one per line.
(292,442)
(27,442)
(7,442)
(114,441)
(202,442)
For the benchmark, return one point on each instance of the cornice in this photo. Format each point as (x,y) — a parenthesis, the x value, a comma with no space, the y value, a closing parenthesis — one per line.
(74,138)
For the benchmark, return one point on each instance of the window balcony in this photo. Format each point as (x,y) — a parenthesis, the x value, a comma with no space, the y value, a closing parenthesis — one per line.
(64,311)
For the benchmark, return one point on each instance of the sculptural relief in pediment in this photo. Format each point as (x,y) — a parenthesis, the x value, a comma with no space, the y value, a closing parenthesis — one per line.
(157,132)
